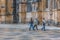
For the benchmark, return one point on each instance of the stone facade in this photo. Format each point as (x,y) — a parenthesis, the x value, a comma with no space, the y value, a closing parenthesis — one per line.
(2,10)
(48,9)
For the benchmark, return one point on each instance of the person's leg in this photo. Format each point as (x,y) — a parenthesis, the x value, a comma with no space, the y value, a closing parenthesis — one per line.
(36,27)
(30,27)
(44,28)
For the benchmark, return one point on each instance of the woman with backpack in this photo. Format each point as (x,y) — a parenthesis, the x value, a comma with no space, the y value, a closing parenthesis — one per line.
(35,24)
(43,23)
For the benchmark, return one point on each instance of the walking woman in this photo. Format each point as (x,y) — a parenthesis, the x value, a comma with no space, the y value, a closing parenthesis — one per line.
(31,24)
(35,24)
(44,23)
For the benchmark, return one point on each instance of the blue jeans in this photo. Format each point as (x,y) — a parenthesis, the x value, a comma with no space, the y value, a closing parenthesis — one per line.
(43,28)
(31,27)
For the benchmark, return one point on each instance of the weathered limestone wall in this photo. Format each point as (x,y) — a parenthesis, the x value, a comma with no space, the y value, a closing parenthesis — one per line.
(58,16)
(9,16)
(2,10)
(40,17)
(10,6)
(9,19)
(41,8)
(23,12)
(23,15)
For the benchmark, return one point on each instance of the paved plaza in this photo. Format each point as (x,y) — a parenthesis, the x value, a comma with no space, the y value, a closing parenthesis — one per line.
(21,32)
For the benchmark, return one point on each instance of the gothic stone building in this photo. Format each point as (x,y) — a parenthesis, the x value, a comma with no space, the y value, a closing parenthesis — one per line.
(20,11)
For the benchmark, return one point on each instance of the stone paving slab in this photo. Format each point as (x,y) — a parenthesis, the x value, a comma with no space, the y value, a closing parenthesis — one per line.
(22,26)
(23,33)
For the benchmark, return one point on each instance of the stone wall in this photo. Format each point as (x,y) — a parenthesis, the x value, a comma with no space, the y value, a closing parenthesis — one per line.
(23,14)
